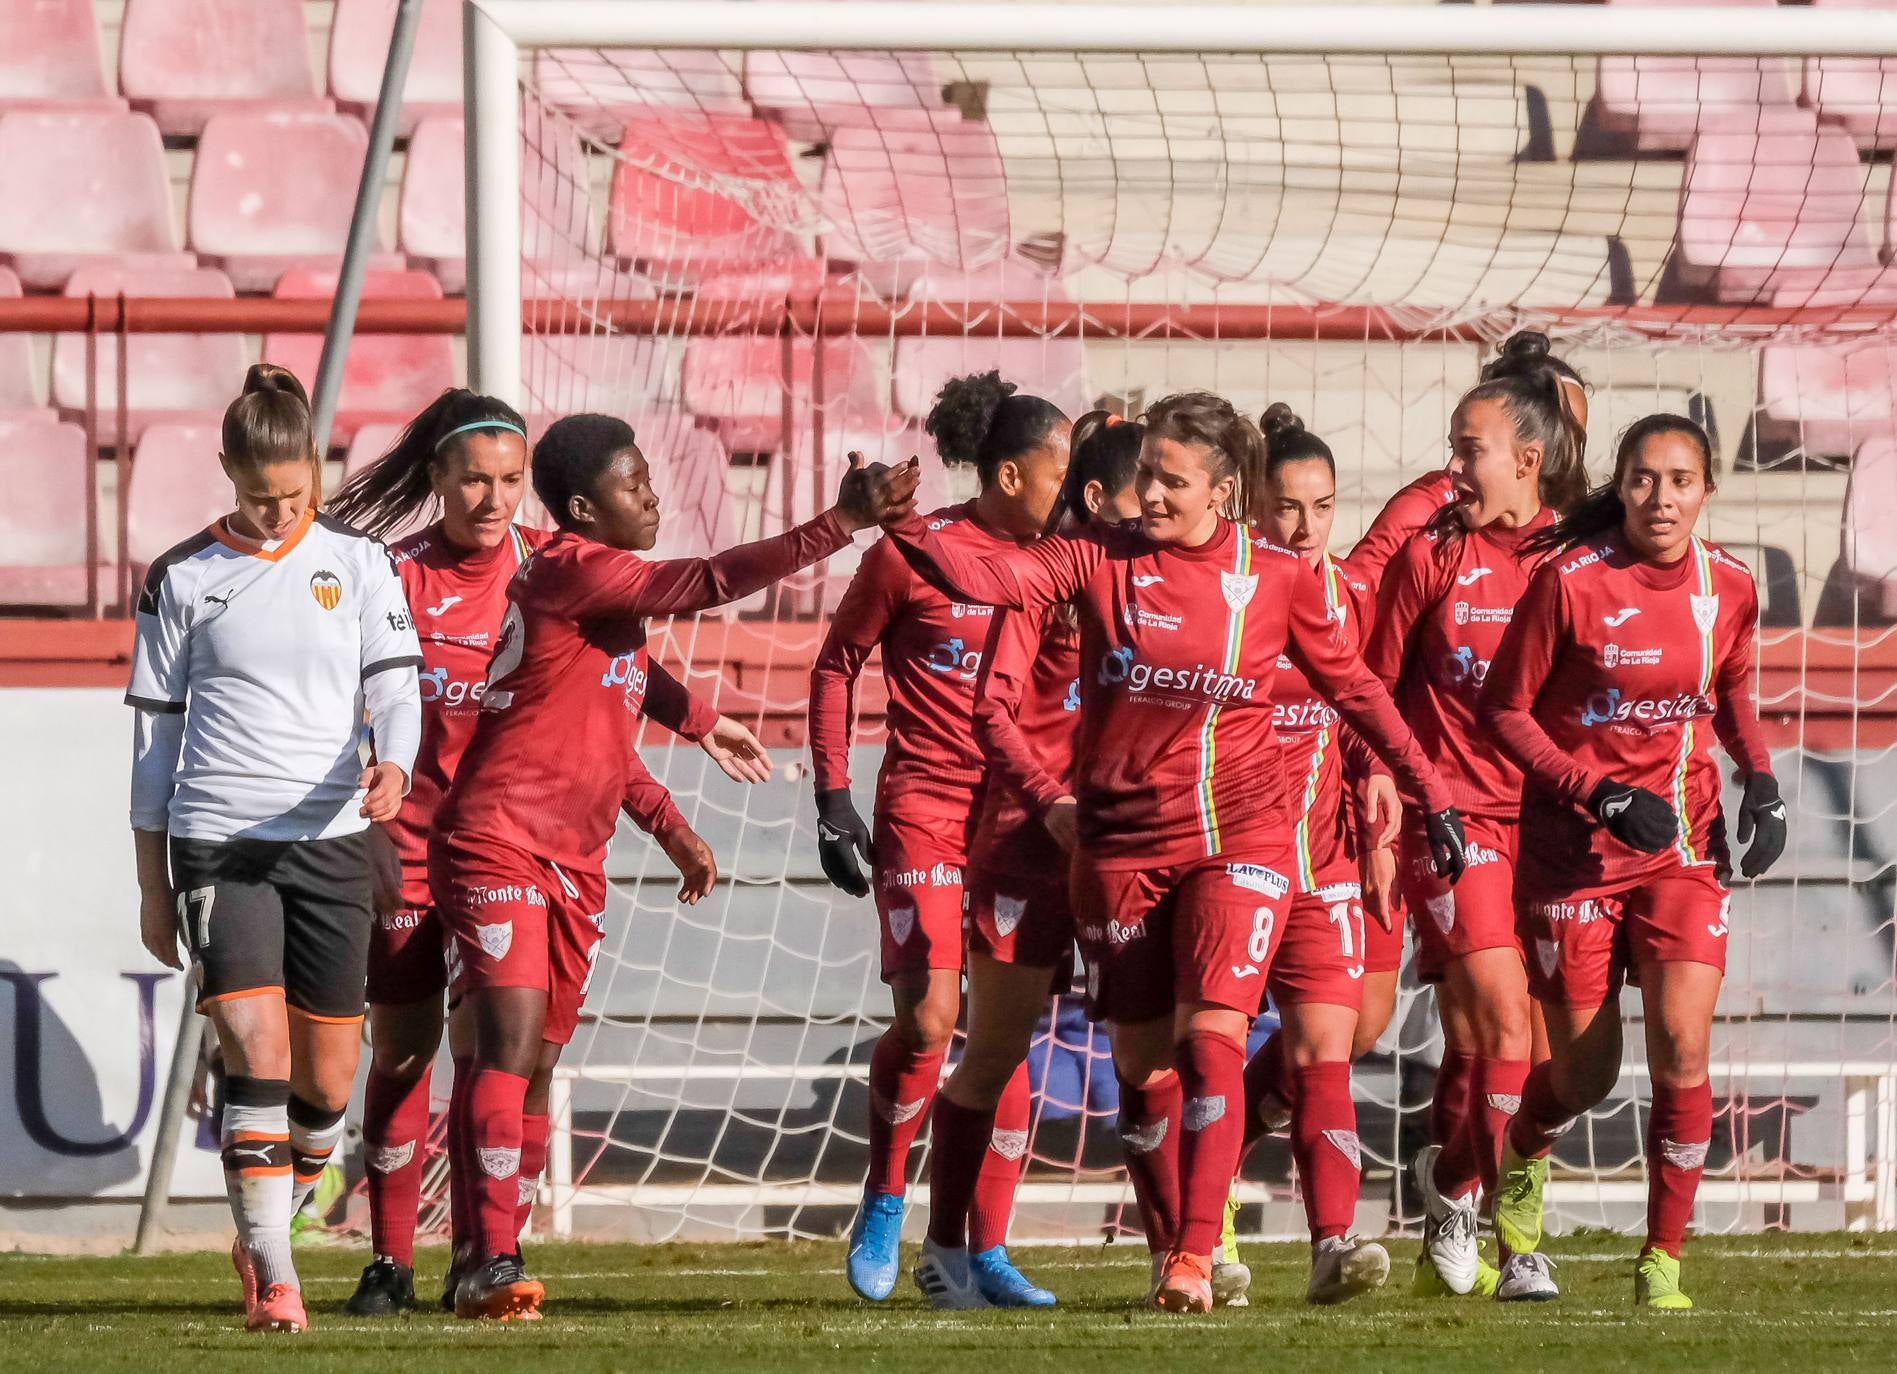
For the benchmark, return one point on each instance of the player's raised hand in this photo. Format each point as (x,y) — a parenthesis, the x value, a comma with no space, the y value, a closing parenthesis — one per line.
(740,754)
(158,926)
(877,494)
(842,839)
(692,857)
(384,785)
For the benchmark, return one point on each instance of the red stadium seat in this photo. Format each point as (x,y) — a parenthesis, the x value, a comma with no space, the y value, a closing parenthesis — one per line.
(43,519)
(1870,535)
(272,193)
(740,383)
(669,224)
(84,189)
(388,377)
(1777,208)
(558,242)
(182,61)
(814,94)
(370,443)
(1859,93)
(169,376)
(19,397)
(1659,104)
(564,374)
(359,36)
(49,57)
(600,88)
(1825,399)
(177,487)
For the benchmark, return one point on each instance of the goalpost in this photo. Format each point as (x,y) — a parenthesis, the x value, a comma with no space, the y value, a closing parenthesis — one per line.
(767,232)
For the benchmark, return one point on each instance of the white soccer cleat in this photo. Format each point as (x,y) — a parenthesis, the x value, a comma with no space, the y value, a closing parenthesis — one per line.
(1526,1278)
(945,1280)
(1231,1282)
(1343,1267)
(1449,1227)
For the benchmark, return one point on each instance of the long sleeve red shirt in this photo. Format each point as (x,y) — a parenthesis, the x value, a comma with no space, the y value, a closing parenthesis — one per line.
(1413,507)
(1027,710)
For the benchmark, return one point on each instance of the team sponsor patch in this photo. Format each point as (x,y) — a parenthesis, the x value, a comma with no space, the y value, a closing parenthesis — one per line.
(1008,912)
(497,1162)
(1010,1145)
(1239,588)
(1615,656)
(1705,611)
(1347,1145)
(1548,953)
(1143,1140)
(1258,878)
(386,1159)
(1442,910)
(902,923)
(327,588)
(1201,1112)
(496,940)
(1340,892)
(1684,1154)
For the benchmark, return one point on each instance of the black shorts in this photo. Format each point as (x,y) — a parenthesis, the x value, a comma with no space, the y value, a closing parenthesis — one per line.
(289,914)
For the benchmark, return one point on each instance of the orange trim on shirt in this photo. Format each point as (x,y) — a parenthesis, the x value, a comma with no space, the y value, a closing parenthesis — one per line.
(230,539)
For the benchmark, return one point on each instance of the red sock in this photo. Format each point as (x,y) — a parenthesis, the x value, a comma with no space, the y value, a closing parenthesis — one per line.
(1212,1077)
(1266,1084)
(1001,1166)
(1544,1117)
(1149,1139)
(901,1086)
(462,1170)
(958,1144)
(533,1162)
(1456,1172)
(494,1131)
(1324,1144)
(1679,1128)
(395,1145)
(1498,1087)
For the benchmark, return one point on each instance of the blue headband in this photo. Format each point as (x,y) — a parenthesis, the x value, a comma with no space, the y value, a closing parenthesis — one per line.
(507,425)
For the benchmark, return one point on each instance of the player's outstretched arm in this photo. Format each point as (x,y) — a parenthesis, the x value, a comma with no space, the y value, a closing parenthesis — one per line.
(1049,570)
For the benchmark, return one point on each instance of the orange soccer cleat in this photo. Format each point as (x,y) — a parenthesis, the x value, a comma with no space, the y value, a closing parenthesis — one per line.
(1185,1284)
(278,1308)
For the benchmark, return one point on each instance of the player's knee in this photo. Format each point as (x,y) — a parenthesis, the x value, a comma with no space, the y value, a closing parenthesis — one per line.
(1681,1057)
(926,1026)
(400,1063)
(1585,1084)
(983,1074)
(1503,1029)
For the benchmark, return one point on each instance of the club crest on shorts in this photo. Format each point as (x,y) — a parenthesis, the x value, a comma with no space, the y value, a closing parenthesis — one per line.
(1442,910)
(327,588)
(1008,912)
(1238,588)
(386,1159)
(902,923)
(1705,611)
(1548,953)
(496,940)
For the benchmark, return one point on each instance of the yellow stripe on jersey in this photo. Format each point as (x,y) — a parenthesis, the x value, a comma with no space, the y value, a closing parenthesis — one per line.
(1208,749)
(521,548)
(1701,581)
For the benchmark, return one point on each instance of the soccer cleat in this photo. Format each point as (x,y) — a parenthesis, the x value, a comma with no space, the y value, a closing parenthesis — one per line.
(1449,1227)
(459,1262)
(1231,1276)
(1526,1278)
(1518,1205)
(1657,1283)
(499,1289)
(876,1246)
(246,1274)
(1002,1285)
(945,1278)
(278,1308)
(1427,1283)
(1186,1284)
(1343,1267)
(385,1289)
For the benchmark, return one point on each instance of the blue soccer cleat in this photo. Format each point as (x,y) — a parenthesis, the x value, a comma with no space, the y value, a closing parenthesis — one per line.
(875,1246)
(997,1280)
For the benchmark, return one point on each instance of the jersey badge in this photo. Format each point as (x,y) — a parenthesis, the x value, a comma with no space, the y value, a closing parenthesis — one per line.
(1238,588)
(327,588)
(1705,612)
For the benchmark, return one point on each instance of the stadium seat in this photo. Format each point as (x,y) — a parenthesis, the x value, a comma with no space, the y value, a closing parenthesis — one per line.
(388,377)
(1859,93)
(43,519)
(1870,535)
(1660,104)
(558,242)
(1825,399)
(740,383)
(600,88)
(84,189)
(19,397)
(897,203)
(359,36)
(168,376)
(274,192)
(177,488)
(49,57)
(1777,208)
(370,443)
(182,61)
(815,94)
(677,229)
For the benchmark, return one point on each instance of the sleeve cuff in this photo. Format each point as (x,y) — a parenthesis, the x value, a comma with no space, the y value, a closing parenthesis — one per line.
(157,706)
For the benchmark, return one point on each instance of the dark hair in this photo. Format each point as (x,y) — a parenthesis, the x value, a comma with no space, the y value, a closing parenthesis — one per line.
(1602,509)
(1524,356)
(1106,449)
(983,420)
(1525,353)
(1535,409)
(270,422)
(570,458)
(1288,441)
(384,495)
(1211,423)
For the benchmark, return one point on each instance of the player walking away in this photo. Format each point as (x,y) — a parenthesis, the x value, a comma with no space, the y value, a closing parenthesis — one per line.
(516,858)
(1302,1073)
(466,457)
(1631,650)
(1181,868)
(1020,926)
(927,801)
(1446,598)
(260,643)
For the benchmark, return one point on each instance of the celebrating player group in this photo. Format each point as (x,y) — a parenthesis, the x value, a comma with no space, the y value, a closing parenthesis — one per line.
(1137,707)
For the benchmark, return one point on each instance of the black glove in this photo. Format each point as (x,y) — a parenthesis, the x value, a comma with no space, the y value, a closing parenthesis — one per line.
(1761,814)
(1448,848)
(1634,816)
(841,837)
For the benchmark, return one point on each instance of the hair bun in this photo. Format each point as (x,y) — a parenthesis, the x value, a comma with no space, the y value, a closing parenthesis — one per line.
(1525,346)
(270,377)
(1280,422)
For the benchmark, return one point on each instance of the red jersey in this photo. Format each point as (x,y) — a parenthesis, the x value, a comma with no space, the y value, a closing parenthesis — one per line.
(1402,515)
(1026,712)
(1445,602)
(1178,760)
(1314,740)
(549,761)
(931,647)
(1618,668)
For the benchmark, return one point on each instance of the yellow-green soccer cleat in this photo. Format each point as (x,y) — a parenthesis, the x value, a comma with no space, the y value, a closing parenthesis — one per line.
(1657,1283)
(1231,1276)
(1518,1203)
(1427,1283)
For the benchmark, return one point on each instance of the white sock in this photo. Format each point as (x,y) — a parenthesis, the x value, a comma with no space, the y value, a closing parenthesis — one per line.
(256,1149)
(314,1134)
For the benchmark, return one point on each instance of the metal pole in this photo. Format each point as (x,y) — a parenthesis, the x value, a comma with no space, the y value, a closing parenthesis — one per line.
(164,1150)
(491,99)
(362,225)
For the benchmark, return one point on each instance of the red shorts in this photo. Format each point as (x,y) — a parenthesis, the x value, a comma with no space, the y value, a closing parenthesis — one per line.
(1478,912)
(1383,949)
(1320,956)
(1015,920)
(1583,948)
(1203,931)
(918,876)
(517,921)
(407,960)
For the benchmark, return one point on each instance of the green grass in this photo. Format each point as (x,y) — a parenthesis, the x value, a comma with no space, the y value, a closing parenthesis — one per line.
(1816,1302)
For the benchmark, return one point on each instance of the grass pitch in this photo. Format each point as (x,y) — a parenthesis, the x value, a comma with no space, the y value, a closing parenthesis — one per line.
(1806,1302)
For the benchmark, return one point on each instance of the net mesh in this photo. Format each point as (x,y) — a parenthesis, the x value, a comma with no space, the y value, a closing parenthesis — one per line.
(768,260)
